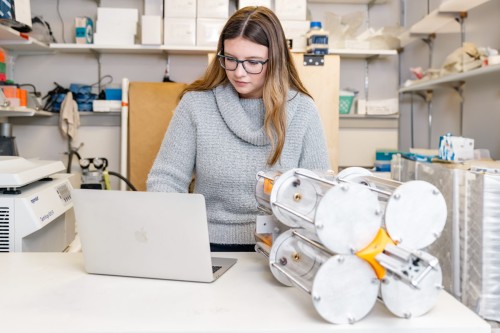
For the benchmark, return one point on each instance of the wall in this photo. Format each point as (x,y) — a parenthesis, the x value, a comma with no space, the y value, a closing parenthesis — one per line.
(46,142)
(481,95)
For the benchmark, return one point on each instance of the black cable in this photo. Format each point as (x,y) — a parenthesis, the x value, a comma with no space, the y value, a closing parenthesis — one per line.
(132,187)
(29,85)
(70,159)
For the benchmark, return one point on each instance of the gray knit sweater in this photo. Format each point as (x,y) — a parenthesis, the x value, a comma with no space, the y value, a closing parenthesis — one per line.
(220,138)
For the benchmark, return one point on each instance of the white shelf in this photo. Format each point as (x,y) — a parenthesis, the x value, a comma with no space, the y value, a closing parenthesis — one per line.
(16,112)
(440,21)
(356,53)
(435,22)
(15,41)
(130,49)
(459,6)
(171,49)
(450,80)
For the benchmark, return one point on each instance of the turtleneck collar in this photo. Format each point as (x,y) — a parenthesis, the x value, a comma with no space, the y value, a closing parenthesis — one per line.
(238,119)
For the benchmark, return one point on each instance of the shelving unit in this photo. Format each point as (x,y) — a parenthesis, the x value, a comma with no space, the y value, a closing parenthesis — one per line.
(358,71)
(449,17)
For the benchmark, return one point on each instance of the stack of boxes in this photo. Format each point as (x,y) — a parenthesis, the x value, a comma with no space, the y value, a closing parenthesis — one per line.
(211,18)
(194,23)
(116,26)
(292,15)
(190,22)
(152,23)
(180,23)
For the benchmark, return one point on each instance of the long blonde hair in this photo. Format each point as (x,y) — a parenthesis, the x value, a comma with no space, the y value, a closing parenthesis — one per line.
(261,26)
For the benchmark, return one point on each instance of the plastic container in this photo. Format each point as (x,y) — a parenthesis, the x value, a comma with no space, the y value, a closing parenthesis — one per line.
(317,39)
(345,101)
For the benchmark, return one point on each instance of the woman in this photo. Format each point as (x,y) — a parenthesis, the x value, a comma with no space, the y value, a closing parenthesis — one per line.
(248,113)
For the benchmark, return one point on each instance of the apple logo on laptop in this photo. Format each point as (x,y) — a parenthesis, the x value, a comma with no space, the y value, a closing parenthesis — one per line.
(141,235)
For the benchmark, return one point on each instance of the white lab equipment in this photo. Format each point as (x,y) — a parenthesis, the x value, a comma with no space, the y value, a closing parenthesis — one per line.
(36,210)
(352,239)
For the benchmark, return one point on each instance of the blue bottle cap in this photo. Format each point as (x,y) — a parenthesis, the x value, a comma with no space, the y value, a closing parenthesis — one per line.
(315,24)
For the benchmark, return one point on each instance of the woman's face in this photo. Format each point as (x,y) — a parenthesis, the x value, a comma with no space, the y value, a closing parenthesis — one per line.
(247,85)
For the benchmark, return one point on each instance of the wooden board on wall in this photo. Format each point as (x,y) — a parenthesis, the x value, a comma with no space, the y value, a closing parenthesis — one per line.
(151,107)
(322,82)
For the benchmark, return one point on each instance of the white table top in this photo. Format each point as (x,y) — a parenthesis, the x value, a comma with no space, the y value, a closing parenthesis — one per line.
(50,292)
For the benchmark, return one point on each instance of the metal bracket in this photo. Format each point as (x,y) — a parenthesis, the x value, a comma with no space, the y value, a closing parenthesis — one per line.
(314,59)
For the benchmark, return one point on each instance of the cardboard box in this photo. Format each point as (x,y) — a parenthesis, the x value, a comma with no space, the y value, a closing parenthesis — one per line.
(152,30)
(213,9)
(179,31)
(291,10)
(151,107)
(208,31)
(180,8)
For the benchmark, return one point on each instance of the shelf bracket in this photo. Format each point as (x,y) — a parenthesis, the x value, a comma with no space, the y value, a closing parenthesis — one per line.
(459,89)
(99,69)
(429,41)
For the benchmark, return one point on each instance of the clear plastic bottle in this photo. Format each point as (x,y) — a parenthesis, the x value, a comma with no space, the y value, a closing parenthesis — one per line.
(317,39)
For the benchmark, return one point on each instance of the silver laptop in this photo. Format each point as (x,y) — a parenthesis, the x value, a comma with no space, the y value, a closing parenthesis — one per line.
(146,234)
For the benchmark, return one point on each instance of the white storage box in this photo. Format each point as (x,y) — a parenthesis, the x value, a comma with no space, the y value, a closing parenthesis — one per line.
(113,39)
(153,8)
(291,10)
(118,14)
(208,31)
(179,31)
(106,105)
(296,31)
(213,9)
(382,106)
(180,8)
(246,3)
(116,27)
(152,30)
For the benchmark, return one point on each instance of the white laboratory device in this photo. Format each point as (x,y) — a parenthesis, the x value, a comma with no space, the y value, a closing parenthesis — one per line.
(36,210)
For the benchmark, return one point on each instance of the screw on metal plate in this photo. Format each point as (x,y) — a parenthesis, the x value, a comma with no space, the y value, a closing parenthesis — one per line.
(314,60)
(297,196)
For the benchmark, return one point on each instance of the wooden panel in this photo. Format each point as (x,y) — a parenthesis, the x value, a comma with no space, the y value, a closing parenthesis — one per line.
(322,82)
(151,106)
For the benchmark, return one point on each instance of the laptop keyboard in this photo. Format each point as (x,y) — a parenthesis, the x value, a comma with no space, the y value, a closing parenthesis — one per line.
(215,268)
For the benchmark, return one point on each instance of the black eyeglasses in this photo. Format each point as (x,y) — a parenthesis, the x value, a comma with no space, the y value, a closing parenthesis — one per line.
(250,66)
